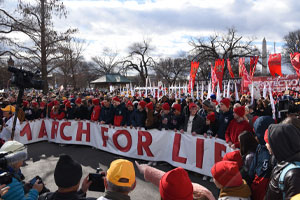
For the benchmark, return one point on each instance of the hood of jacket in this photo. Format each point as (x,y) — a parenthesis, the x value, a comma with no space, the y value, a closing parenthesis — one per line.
(284,141)
(260,126)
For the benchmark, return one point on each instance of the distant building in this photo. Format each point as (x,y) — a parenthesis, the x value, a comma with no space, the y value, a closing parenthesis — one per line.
(105,81)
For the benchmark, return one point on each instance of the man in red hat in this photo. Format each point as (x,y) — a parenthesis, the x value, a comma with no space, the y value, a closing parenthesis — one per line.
(129,113)
(107,112)
(236,127)
(166,116)
(96,110)
(140,115)
(193,123)
(81,111)
(177,119)
(119,112)
(225,117)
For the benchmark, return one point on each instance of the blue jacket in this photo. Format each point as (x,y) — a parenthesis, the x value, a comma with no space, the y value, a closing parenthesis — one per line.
(139,118)
(223,122)
(16,192)
(260,165)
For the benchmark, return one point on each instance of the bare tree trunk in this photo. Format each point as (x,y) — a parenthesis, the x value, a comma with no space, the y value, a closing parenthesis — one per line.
(43,48)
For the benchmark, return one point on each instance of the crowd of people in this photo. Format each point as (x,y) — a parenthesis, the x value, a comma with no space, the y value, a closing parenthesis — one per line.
(264,163)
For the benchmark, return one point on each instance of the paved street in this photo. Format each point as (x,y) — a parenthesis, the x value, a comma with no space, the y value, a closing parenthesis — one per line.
(42,158)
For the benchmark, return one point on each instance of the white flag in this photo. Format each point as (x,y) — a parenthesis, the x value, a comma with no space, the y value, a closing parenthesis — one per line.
(265,91)
(236,93)
(197,91)
(218,93)
(252,93)
(228,90)
(202,91)
(272,102)
(209,90)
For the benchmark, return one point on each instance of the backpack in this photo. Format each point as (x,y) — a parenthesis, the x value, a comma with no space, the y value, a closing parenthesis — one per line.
(283,173)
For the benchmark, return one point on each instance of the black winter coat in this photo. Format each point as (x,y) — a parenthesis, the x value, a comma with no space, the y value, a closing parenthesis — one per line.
(107,115)
(198,124)
(81,113)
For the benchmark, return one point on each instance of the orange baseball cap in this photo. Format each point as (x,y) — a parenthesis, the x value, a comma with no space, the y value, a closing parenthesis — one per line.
(121,169)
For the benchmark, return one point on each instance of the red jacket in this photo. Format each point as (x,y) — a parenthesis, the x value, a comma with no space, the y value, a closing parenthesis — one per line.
(234,129)
(96,113)
(58,116)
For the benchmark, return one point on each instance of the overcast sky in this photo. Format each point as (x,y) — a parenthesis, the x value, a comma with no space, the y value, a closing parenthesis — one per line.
(171,23)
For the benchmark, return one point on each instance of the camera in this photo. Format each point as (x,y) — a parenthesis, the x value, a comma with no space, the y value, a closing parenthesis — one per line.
(97,181)
(5,178)
(3,160)
(39,179)
(26,79)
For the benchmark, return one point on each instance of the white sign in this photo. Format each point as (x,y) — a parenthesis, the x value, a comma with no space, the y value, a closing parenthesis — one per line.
(196,154)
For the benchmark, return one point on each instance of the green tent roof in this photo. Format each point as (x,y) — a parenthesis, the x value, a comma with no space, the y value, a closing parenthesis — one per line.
(111,78)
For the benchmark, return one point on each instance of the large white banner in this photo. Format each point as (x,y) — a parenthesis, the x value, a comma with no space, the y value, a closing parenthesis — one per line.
(193,153)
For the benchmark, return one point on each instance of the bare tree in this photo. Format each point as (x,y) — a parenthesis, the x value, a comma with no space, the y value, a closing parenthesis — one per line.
(35,22)
(72,56)
(222,46)
(139,59)
(109,62)
(292,45)
(172,70)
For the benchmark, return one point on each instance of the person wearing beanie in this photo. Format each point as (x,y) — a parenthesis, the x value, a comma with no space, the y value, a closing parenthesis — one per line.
(193,124)
(67,176)
(166,117)
(56,112)
(176,184)
(140,115)
(129,113)
(177,119)
(284,142)
(149,120)
(119,180)
(225,117)
(107,112)
(234,156)
(96,110)
(207,107)
(228,179)
(119,112)
(154,176)
(236,127)
(81,110)
(42,110)
(211,125)
(17,154)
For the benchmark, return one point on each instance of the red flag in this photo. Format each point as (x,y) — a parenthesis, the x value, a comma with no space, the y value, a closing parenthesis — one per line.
(214,79)
(229,68)
(241,66)
(247,79)
(194,69)
(275,64)
(253,63)
(295,60)
(219,69)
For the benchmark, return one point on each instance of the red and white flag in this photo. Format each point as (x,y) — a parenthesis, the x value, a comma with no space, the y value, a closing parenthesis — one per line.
(253,63)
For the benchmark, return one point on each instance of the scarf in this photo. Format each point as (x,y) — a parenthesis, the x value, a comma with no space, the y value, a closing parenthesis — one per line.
(242,191)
